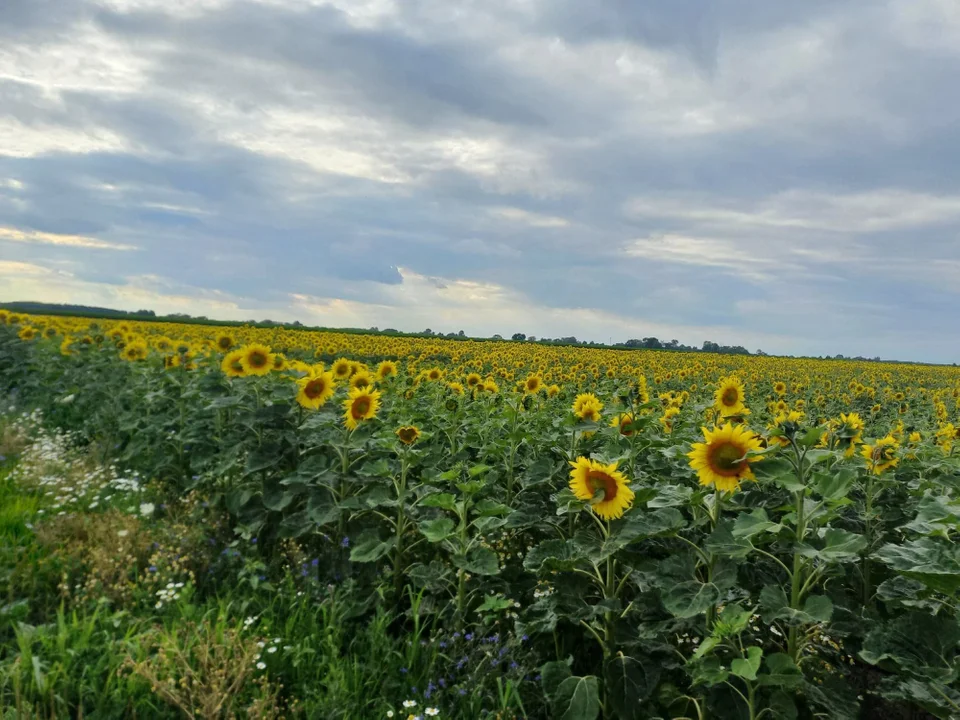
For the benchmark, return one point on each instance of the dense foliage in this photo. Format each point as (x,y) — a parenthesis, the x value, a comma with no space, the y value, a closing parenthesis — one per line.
(270,521)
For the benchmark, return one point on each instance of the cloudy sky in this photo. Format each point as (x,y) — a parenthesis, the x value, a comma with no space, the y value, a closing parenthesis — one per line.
(782,175)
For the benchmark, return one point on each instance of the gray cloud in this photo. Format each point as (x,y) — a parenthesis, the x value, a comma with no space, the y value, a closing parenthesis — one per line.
(743,171)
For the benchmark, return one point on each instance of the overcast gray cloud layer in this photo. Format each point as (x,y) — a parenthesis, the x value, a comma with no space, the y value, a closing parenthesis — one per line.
(780,175)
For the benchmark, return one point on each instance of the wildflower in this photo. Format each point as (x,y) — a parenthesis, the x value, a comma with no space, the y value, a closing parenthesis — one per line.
(409,704)
(146,509)
(261,665)
(432,712)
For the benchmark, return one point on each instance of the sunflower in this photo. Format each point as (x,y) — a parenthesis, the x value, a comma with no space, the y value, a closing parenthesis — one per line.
(553,391)
(341,368)
(433,374)
(532,384)
(408,434)
(456,387)
(315,390)
(386,369)
(65,345)
(224,342)
(728,398)
(882,455)
(587,405)
(721,461)
(279,362)
(232,364)
(27,333)
(361,404)
(490,386)
(780,387)
(171,361)
(589,476)
(666,420)
(361,379)
(136,350)
(623,421)
(473,379)
(849,433)
(256,359)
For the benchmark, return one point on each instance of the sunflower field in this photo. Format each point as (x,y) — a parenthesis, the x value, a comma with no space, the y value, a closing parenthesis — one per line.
(212,522)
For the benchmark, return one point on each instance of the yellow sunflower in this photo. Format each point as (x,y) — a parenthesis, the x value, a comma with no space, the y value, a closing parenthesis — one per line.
(456,387)
(666,419)
(433,374)
(361,379)
(623,421)
(532,384)
(315,390)
(780,387)
(224,342)
(27,333)
(256,359)
(361,404)
(232,364)
(587,406)
(473,380)
(279,362)
(728,398)
(882,455)
(408,434)
(341,368)
(386,369)
(589,476)
(849,432)
(721,461)
(553,391)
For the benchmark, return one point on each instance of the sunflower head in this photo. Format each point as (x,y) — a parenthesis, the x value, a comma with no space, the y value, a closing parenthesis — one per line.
(532,384)
(780,387)
(624,422)
(341,368)
(605,487)
(473,380)
(256,359)
(666,421)
(881,455)
(361,404)
(587,407)
(27,333)
(224,342)
(408,434)
(315,390)
(721,461)
(728,398)
(361,379)
(232,364)
(386,369)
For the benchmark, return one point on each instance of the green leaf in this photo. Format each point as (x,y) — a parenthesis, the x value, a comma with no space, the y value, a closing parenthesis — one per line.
(494,603)
(553,555)
(841,545)
(691,598)
(478,470)
(819,608)
(749,524)
(811,437)
(295,525)
(722,542)
(629,684)
(479,561)
(277,497)
(781,672)
(371,549)
(918,644)
(747,667)
(446,501)
(639,525)
(437,530)
(934,563)
(936,516)
(835,486)
(552,674)
(237,498)
(576,698)
(775,606)
(488,507)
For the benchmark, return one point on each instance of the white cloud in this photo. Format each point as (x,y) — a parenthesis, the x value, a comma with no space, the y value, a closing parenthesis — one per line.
(529,218)
(45,238)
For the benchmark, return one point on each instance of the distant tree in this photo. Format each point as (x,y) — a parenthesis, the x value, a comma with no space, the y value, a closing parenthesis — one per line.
(497,337)
(391,330)
(519,336)
(652,343)
(532,338)
(428,331)
(461,334)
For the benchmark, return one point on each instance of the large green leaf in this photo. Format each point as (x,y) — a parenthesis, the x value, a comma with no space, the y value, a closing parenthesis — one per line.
(371,549)
(638,525)
(918,644)
(723,542)
(754,523)
(781,672)
(438,529)
(834,487)
(576,698)
(629,684)
(841,546)
(553,555)
(747,667)
(935,563)
(479,561)
(446,501)
(691,598)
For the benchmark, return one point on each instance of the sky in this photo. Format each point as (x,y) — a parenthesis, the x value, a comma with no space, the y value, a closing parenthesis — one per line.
(779,175)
